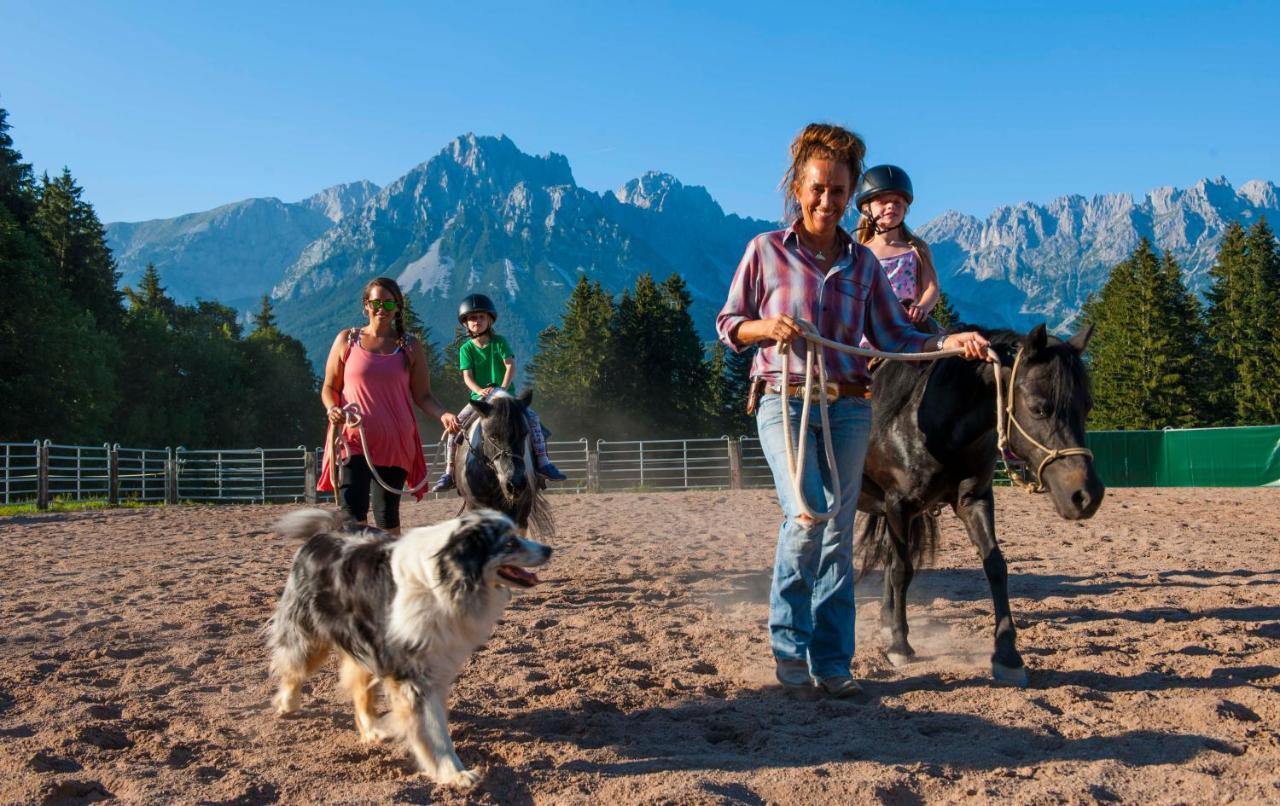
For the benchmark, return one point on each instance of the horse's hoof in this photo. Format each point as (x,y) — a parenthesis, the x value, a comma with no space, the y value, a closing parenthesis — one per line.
(900,658)
(1008,674)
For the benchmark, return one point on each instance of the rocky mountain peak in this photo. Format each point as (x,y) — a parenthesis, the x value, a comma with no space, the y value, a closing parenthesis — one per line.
(500,159)
(339,201)
(1031,262)
(663,193)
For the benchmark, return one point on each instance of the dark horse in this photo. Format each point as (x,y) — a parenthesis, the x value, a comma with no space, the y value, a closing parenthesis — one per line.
(933,442)
(496,460)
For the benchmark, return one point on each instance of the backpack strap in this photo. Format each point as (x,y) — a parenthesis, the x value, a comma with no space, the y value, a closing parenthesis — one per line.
(353,338)
(407,345)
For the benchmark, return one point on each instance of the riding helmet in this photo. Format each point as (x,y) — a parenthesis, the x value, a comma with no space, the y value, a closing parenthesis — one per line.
(882,179)
(476,303)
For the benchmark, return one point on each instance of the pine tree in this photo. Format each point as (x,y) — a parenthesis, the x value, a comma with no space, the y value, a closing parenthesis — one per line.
(281,390)
(77,245)
(685,371)
(53,359)
(17,184)
(1144,345)
(1258,393)
(265,318)
(570,368)
(728,379)
(943,313)
(1226,325)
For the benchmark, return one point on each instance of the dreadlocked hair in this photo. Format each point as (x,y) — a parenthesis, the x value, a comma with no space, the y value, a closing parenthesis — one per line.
(823,141)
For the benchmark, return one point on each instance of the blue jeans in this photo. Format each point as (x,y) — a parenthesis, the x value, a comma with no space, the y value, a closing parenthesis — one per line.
(811,608)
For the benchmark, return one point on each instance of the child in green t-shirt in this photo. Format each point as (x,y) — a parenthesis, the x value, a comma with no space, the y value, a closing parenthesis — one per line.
(488,365)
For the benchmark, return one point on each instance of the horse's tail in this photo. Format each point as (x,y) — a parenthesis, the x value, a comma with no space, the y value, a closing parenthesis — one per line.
(540,521)
(874,543)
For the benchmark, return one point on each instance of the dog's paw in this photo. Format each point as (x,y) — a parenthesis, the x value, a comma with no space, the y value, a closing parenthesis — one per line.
(464,779)
(375,733)
(286,703)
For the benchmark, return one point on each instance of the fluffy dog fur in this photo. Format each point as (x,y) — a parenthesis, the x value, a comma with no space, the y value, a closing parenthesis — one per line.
(404,612)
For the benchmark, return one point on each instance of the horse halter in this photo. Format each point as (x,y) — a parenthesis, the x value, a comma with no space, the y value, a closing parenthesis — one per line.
(1005,418)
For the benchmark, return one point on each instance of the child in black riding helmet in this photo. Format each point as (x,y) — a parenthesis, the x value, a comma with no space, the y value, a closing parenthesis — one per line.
(488,365)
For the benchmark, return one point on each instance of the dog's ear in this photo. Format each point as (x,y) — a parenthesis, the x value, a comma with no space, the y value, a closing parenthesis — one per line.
(469,547)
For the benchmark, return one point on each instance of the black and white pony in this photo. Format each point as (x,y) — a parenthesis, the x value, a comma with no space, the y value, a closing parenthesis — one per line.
(497,465)
(934,442)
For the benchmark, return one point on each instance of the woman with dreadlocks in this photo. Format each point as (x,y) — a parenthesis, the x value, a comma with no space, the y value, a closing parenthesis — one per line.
(380,369)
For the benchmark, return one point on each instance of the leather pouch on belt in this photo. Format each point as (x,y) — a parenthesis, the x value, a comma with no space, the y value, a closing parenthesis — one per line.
(753,395)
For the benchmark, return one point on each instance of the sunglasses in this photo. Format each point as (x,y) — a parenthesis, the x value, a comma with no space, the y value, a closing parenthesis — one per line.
(388,305)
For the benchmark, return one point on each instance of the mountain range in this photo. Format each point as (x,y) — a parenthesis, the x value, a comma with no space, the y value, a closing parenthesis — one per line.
(481,215)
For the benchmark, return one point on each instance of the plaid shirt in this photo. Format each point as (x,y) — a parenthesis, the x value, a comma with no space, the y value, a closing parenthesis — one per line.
(778,275)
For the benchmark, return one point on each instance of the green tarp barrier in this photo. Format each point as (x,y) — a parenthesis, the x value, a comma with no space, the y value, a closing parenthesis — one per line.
(1195,457)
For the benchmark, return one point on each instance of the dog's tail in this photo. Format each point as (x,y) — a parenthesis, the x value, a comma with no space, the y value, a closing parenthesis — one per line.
(301,524)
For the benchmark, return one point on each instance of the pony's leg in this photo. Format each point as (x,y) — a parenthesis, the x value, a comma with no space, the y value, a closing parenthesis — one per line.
(898,574)
(976,510)
(886,603)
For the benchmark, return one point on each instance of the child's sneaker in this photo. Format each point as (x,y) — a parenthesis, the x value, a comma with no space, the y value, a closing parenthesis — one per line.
(551,471)
(445,482)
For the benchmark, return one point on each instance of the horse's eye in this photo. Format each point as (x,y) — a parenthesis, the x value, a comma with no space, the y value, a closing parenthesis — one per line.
(1039,410)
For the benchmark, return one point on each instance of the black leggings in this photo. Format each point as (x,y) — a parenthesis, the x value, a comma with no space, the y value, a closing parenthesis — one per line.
(355,482)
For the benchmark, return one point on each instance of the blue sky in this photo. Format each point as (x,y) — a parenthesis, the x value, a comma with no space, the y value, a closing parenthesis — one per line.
(162,109)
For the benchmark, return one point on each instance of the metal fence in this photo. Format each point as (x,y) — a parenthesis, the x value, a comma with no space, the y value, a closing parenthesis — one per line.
(43,471)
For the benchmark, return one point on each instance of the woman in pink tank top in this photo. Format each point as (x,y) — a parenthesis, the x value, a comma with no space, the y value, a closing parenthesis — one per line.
(378,367)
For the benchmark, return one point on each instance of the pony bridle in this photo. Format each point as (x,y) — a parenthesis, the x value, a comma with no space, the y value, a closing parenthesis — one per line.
(1005,418)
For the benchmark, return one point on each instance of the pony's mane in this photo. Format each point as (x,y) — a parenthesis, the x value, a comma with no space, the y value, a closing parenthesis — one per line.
(1068,378)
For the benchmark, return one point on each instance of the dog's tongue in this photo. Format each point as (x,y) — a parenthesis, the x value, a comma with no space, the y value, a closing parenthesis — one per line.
(517,574)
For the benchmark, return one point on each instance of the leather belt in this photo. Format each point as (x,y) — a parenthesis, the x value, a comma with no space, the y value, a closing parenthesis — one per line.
(834,390)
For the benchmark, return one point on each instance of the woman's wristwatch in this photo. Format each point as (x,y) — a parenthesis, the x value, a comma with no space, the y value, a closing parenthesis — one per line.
(940,342)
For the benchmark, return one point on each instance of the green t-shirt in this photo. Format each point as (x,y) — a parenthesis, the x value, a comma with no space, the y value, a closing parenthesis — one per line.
(487,364)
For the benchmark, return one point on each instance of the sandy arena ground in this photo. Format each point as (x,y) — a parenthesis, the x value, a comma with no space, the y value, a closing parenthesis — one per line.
(131,665)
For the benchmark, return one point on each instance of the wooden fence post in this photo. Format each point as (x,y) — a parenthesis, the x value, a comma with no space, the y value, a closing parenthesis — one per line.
(113,475)
(42,474)
(735,463)
(309,475)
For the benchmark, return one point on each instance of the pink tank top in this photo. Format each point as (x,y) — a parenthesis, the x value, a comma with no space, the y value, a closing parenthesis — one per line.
(902,271)
(379,384)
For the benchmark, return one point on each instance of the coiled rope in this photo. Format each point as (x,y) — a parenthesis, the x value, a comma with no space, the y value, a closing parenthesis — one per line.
(355,419)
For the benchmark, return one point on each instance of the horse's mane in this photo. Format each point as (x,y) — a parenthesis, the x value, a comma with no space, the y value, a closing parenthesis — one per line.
(1068,378)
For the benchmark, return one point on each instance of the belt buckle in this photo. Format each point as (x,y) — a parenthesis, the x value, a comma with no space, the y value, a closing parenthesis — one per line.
(831,392)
